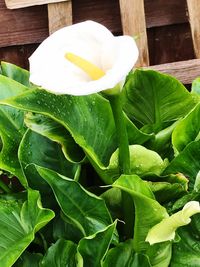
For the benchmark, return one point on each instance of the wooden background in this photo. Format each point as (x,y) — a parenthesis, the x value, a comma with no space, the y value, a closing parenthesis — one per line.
(168,30)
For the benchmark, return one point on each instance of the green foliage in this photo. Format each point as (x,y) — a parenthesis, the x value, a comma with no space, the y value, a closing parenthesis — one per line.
(60,254)
(155,99)
(92,249)
(87,211)
(19,222)
(66,148)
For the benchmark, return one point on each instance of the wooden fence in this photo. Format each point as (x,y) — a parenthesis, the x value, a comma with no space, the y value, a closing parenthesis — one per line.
(168,31)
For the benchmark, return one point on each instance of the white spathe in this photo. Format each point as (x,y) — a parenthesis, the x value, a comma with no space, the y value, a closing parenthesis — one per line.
(90,40)
(165,230)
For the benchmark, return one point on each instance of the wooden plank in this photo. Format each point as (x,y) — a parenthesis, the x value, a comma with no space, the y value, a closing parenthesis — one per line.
(22,26)
(161,12)
(194,17)
(133,23)
(184,71)
(60,15)
(13,4)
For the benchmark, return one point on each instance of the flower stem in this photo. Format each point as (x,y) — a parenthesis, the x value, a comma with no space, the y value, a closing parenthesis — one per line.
(124,155)
(4,187)
(124,161)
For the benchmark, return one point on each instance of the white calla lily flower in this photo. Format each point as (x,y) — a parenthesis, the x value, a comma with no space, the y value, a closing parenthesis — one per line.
(165,230)
(82,59)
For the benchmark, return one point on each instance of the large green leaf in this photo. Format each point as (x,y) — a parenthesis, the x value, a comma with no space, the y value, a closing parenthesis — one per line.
(187,130)
(187,162)
(60,254)
(92,249)
(89,120)
(87,211)
(18,224)
(56,132)
(11,129)
(39,150)
(124,256)
(155,99)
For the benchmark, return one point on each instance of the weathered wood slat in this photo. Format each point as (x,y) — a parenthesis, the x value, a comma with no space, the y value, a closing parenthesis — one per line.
(22,26)
(60,15)
(184,71)
(13,4)
(133,24)
(194,16)
(162,12)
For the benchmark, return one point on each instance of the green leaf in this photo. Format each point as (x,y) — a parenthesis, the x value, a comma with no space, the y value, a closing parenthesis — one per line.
(28,260)
(162,142)
(18,224)
(65,229)
(87,211)
(47,154)
(10,88)
(165,192)
(135,135)
(167,187)
(15,73)
(123,255)
(92,249)
(60,254)
(11,132)
(113,199)
(187,130)
(148,211)
(56,132)
(187,251)
(155,99)
(143,161)
(187,162)
(160,254)
(11,129)
(196,86)
(179,203)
